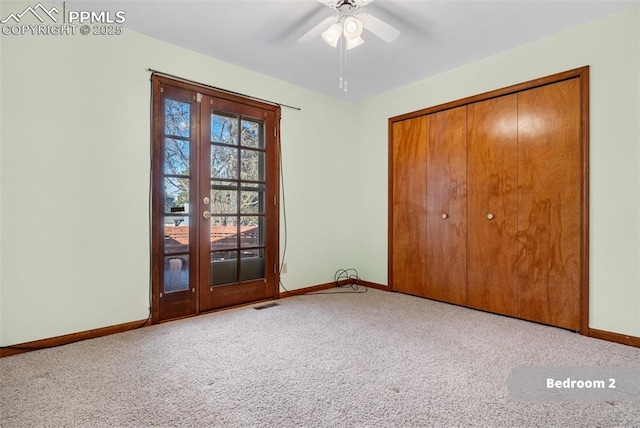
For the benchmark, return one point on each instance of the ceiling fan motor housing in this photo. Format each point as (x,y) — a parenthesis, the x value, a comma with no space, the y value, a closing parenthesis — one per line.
(348,5)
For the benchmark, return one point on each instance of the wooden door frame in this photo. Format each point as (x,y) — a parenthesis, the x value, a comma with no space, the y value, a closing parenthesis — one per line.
(272,234)
(581,73)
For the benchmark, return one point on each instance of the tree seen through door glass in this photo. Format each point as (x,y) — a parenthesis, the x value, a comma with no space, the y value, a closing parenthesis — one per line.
(252,165)
(177,120)
(224,162)
(224,129)
(251,134)
(176,156)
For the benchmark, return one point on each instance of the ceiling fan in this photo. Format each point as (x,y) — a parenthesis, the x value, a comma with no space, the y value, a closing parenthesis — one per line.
(350,23)
(345,28)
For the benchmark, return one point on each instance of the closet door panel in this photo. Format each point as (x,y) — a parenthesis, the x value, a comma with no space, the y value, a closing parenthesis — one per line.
(492,205)
(409,204)
(549,204)
(446,205)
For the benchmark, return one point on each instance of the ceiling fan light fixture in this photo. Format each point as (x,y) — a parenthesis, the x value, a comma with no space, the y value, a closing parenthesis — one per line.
(352,28)
(354,43)
(332,34)
(345,29)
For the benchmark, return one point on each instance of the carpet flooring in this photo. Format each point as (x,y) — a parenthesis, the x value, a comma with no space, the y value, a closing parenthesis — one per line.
(374,359)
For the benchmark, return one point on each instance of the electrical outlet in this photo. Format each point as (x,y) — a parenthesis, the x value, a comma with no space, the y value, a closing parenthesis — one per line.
(284,268)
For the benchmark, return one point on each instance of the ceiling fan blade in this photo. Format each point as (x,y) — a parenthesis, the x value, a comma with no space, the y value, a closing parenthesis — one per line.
(315,31)
(380,28)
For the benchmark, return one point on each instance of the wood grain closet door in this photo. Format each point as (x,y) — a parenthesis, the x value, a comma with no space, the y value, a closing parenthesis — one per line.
(492,205)
(549,204)
(446,205)
(408,207)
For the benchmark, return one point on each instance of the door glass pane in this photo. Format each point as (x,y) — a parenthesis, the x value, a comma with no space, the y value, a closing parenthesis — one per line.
(224,267)
(252,202)
(176,234)
(224,162)
(224,129)
(176,273)
(176,156)
(251,231)
(252,264)
(177,118)
(251,134)
(224,233)
(224,201)
(176,195)
(252,167)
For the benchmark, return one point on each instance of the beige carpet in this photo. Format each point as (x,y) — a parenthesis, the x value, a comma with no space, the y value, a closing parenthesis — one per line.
(375,359)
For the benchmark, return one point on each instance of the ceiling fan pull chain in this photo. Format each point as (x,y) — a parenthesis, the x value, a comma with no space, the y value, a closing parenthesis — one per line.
(341,80)
(343,54)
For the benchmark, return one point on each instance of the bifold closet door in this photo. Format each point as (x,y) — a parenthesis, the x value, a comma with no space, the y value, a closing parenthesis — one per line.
(489,201)
(409,204)
(549,203)
(492,205)
(446,205)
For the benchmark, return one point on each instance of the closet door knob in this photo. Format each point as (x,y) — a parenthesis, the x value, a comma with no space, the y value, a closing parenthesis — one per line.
(206,214)
(490,216)
(444,216)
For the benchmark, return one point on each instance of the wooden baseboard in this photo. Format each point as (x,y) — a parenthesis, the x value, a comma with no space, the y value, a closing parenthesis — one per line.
(374,285)
(329,285)
(6,351)
(306,290)
(615,337)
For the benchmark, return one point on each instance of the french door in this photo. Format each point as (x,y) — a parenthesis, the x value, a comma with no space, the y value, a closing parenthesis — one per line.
(214,200)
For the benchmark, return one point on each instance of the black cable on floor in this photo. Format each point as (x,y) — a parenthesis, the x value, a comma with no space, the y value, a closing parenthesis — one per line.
(345,278)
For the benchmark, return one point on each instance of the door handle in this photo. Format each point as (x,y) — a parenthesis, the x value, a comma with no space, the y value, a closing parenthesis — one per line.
(444,216)
(490,216)
(206,214)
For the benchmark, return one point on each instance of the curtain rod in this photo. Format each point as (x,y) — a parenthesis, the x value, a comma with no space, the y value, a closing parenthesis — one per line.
(182,79)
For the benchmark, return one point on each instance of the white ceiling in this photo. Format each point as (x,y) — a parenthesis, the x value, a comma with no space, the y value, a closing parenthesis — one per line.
(436,35)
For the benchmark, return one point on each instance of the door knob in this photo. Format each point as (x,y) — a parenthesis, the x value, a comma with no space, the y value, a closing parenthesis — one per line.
(206,214)
(444,216)
(490,216)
